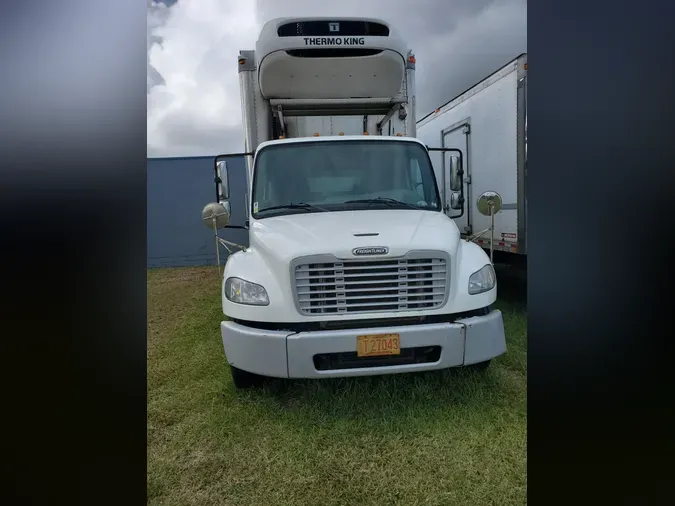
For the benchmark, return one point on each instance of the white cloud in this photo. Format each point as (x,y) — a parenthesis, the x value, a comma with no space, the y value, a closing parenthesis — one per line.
(193,97)
(157,16)
(195,111)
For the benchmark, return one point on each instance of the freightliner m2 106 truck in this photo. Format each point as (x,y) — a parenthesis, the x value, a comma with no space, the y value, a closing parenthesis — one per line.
(354,265)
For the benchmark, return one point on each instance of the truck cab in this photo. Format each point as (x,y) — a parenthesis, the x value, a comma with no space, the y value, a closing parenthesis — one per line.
(354,265)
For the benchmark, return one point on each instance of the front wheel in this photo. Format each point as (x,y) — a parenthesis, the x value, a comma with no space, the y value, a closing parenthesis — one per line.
(244,379)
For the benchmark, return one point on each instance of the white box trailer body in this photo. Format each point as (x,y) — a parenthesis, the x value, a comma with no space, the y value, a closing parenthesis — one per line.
(333,266)
(326,85)
(489,121)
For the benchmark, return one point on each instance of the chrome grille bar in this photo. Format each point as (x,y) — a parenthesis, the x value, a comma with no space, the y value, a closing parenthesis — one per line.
(367,286)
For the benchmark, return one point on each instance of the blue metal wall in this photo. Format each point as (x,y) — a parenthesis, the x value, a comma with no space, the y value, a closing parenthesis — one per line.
(178,189)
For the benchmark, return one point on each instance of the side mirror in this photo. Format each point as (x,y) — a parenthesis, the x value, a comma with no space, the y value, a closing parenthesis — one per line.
(453,181)
(456,200)
(216,215)
(221,177)
(456,183)
(222,182)
(456,175)
(223,186)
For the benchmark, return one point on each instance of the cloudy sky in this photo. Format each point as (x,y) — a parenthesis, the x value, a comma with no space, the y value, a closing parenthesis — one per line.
(193,90)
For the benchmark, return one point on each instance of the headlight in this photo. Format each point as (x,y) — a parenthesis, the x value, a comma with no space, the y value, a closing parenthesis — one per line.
(482,280)
(244,292)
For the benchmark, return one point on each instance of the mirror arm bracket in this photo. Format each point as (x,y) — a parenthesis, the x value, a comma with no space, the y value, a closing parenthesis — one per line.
(457,216)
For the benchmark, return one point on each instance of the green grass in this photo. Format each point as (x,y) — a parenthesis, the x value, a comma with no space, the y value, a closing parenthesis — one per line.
(436,438)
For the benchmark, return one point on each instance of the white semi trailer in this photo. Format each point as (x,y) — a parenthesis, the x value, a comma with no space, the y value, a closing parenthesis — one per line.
(354,265)
(489,122)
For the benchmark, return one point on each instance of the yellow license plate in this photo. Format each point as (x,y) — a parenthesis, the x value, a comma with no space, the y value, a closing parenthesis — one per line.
(378,344)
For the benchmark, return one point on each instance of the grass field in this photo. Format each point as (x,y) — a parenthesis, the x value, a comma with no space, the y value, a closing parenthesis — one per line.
(436,438)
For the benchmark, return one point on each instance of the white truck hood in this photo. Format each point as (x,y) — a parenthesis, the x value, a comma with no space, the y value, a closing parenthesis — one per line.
(275,242)
(281,239)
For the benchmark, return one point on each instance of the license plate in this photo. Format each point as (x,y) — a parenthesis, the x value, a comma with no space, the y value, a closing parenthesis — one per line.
(375,345)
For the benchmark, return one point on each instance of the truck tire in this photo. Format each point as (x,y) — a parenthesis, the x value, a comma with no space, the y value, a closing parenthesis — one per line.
(244,379)
(480,366)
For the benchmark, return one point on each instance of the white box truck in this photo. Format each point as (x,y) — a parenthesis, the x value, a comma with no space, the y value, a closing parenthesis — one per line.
(354,265)
(489,122)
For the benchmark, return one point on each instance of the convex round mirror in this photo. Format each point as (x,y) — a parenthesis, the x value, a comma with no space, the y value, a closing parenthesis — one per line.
(217,212)
(489,200)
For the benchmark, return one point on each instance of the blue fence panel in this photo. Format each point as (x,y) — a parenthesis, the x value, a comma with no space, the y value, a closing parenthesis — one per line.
(178,189)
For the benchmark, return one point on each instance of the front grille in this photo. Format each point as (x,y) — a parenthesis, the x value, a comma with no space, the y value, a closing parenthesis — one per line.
(316,28)
(370,286)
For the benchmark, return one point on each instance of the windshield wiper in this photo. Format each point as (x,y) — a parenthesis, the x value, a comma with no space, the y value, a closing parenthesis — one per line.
(299,205)
(383,200)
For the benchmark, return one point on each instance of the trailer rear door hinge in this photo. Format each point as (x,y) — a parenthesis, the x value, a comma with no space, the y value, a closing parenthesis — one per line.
(466,130)
(467,179)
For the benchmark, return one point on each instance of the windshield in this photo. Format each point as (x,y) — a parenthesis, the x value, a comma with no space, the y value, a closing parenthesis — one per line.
(342,175)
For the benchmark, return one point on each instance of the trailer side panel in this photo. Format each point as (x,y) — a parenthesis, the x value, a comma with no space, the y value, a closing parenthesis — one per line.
(488,114)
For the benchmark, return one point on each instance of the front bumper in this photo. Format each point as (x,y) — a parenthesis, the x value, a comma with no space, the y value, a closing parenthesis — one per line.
(283,354)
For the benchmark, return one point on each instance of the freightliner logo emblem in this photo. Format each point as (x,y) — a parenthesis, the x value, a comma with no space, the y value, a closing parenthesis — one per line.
(372,250)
